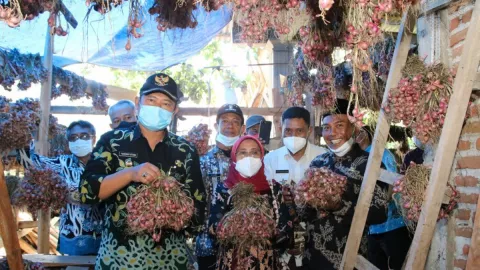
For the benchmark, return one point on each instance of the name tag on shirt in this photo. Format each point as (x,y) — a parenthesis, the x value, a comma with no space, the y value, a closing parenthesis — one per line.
(129,155)
(281,171)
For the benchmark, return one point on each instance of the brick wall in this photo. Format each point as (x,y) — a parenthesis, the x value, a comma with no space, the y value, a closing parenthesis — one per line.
(466,168)
(466,175)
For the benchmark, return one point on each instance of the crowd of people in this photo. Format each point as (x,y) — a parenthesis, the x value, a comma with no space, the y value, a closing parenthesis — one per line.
(102,175)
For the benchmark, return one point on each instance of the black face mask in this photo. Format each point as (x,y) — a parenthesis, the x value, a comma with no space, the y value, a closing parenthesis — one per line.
(125,124)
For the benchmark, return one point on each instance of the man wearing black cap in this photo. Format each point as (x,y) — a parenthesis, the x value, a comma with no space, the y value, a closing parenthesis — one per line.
(253,124)
(327,232)
(123,161)
(215,165)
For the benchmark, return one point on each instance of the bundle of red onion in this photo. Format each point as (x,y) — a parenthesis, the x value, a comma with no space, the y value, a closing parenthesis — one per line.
(174,14)
(250,223)
(33,8)
(411,194)
(27,265)
(323,90)
(17,123)
(199,136)
(316,44)
(210,5)
(364,19)
(321,189)
(26,68)
(421,98)
(159,206)
(41,189)
(295,94)
(256,17)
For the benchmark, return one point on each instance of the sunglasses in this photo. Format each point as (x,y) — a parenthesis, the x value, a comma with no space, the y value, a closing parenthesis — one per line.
(81,136)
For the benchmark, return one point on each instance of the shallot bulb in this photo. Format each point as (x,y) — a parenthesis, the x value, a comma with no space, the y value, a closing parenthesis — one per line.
(325,4)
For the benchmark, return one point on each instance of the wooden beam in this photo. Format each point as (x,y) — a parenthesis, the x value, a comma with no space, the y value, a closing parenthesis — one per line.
(364,264)
(182,112)
(26,247)
(42,144)
(27,224)
(432,6)
(60,261)
(473,261)
(457,107)
(8,228)
(372,171)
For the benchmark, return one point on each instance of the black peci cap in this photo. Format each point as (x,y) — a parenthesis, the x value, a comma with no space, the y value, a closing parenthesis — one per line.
(161,83)
(230,108)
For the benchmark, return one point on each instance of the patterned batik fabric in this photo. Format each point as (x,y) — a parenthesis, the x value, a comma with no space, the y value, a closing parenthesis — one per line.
(80,224)
(327,232)
(255,258)
(174,156)
(214,165)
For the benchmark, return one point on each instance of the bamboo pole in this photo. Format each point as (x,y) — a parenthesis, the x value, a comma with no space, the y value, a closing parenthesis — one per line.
(42,144)
(372,171)
(8,228)
(457,107)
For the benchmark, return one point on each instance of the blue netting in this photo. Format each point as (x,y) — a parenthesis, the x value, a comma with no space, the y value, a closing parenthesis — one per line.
(101,39)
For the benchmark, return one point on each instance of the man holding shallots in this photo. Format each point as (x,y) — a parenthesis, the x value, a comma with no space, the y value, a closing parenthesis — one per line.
(215,167)
(130,160)
(328,226)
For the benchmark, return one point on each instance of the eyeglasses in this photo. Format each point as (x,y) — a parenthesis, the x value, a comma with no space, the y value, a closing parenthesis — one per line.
(244,154)
(81,136)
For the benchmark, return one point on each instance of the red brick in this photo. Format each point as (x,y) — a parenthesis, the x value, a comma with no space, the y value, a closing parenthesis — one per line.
(458,37)
(465,249)
(454,23)
(467,16)
(462,264)
(466,181)
(463,214)
(463,145)
(464,232)
(472,127)
(468,163)
(468,198)
(478,144)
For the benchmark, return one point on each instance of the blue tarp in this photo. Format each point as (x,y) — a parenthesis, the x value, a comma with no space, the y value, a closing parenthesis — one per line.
(101,40)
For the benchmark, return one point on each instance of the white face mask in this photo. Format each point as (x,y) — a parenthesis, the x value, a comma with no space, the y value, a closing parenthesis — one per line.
(81,148)
(248,166)
(344,149)
(227,141)
(294,144)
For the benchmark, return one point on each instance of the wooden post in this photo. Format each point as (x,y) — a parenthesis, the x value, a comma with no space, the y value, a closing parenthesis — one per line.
(457,107)
(42,146)
(473,261)
(372,171)
(8,228)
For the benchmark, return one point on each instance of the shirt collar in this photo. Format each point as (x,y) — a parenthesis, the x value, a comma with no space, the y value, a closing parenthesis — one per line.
(137,133)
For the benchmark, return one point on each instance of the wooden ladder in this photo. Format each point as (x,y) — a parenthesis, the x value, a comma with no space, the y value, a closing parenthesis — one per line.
(444,156)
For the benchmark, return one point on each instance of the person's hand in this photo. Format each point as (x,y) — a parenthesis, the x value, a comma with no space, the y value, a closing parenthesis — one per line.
(145,173)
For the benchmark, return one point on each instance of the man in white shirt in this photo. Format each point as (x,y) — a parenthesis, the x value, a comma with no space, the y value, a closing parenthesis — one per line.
(288,165)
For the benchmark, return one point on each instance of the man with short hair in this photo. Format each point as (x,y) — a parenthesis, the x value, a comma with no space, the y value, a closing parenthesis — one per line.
(122,114)
(124,161)
(289,163)
(328,228)
(80,224)
(215,165)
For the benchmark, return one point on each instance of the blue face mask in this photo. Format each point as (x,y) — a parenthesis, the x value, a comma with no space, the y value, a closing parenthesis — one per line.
(154,118)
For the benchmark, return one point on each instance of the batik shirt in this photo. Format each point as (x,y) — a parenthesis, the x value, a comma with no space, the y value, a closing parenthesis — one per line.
(327,232)
(257,258)
(80,224)
(123,148)
(215,165)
